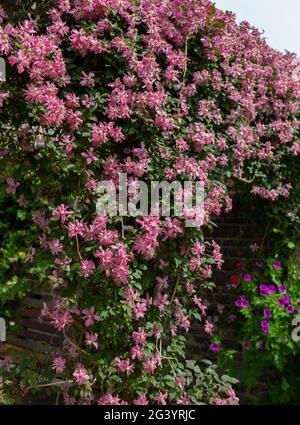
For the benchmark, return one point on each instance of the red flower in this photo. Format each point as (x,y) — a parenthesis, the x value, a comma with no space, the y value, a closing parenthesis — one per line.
(258,238)
(240,266)
(234,279)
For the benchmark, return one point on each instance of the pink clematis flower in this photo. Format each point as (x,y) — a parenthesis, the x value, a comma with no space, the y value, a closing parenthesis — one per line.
(59,364)
(91,340)
(12,186)
(87,268)
(81,375)
(90,316)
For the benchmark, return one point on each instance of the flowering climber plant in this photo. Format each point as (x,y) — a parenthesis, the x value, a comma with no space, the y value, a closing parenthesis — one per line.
(172,90)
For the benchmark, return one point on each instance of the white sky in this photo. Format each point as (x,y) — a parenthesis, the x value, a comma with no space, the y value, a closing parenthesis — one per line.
(280,19)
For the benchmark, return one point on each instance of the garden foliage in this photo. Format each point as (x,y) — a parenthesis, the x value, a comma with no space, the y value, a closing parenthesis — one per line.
(160,90)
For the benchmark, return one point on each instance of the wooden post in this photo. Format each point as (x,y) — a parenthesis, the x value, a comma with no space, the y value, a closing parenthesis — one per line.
(2,330)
